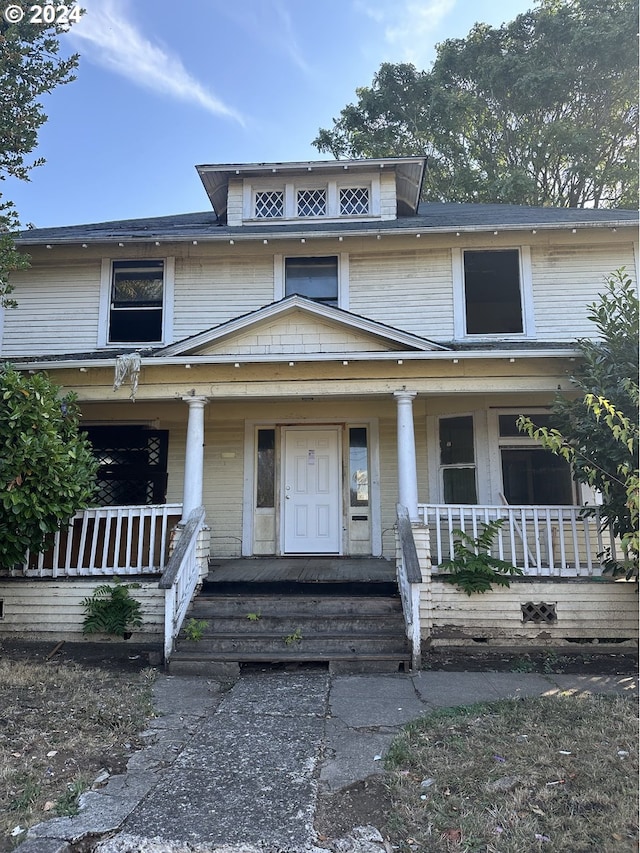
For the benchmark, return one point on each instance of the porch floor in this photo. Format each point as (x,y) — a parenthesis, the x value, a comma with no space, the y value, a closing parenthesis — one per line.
(301,570)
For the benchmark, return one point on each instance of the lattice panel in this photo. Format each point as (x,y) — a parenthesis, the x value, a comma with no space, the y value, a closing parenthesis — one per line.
(354,201)
(541,612)
(312,202)
(269,204)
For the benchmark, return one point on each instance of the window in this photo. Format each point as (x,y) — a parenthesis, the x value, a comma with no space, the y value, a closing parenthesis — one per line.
(132,464)
(354,201)
(457,460)
(136,302)
(358,467)
(530,474)
(269,204)
(265,481)
(312,202)
(492,292)
(314,278)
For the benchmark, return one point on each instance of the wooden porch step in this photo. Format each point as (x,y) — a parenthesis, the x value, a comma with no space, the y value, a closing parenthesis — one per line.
(257,627)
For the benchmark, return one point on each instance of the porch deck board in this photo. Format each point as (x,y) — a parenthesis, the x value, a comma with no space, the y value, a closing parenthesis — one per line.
(302,570)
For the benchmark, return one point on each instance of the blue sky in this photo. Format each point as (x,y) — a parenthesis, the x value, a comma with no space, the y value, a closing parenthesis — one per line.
(163,86)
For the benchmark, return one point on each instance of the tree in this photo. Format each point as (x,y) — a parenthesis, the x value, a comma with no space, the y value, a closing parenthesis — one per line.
(47,468)
(30,66)
(598,431)
(541,111)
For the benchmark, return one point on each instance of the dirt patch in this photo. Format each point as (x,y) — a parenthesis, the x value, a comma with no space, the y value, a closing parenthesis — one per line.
(64,726)
(547,661)
(364,803)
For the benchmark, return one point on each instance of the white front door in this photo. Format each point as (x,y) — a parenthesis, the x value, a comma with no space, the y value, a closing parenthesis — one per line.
(312,510)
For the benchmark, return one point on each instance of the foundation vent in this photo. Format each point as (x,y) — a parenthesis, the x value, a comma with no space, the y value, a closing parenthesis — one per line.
(541,612)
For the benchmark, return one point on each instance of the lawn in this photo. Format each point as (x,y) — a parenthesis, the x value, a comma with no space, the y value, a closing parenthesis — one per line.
(552,774)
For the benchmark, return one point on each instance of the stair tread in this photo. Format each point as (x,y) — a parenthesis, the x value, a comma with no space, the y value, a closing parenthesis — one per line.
(295,655)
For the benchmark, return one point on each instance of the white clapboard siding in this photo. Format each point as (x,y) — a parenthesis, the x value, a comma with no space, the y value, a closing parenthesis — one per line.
(586,610)
(53,302)
(46,609)
(565,280)
(211,290)
(421,286)
(223,485)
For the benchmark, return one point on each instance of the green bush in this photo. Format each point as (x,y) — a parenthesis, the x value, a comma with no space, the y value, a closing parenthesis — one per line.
(47,468)
(112,610)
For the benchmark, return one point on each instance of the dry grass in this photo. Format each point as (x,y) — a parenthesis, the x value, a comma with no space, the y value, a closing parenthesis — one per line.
(551,774)
(61,725)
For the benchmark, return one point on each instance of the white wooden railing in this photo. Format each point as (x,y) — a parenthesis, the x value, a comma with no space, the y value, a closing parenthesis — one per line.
(544,541)
(181,578)
(111,540)
(409,579)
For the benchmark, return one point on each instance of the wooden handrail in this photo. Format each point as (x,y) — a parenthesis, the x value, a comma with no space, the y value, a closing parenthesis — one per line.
(408,545)
(190,529)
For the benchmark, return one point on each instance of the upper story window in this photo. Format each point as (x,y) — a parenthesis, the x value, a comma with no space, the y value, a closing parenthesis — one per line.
(269,204)
(308,198)
(354,201)
(312,202)
(493,292)
(136,301)
(315,278)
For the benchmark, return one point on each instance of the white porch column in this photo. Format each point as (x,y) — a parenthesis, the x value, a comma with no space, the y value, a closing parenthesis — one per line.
(407,467)
(194,456)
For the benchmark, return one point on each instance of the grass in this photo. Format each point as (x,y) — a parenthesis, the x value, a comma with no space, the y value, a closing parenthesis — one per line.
(61,725)
(552,774)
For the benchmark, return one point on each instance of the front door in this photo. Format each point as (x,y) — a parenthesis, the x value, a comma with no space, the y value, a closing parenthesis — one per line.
(312,510)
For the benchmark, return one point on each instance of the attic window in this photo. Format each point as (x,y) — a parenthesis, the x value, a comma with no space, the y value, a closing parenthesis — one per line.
(312,202)
(269,204)
(354,201)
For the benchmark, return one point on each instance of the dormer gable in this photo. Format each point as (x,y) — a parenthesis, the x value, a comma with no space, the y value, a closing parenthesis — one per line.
(320,191)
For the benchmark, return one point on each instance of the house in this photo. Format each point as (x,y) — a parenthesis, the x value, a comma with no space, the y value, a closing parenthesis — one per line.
(314,351)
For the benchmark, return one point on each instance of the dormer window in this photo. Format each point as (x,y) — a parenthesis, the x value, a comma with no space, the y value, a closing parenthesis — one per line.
(305,197)
(312,202)
(354,201)
(269,204)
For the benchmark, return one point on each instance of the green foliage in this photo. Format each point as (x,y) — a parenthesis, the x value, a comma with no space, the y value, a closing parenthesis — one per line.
(30,66)
(112,610)
(598,431)
(472,568)
(254,617)
(542,110)
(47,468)
(294,638)
(194,629)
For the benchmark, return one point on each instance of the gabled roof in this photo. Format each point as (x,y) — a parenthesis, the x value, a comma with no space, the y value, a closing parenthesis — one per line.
(385,337)
(432,218)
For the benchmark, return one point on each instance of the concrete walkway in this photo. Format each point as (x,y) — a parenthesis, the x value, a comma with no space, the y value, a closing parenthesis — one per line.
(239,770)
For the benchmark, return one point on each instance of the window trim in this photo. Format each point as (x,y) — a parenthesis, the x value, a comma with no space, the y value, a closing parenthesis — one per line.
(343,275)
(291,186)
(526,295)
(104,313)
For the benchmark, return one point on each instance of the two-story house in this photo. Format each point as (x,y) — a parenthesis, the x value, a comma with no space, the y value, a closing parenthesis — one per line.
(316,349)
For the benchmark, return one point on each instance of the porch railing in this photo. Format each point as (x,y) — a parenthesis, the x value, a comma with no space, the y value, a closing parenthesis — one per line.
(111,540)
(180,578)
(409,579)
(544,541)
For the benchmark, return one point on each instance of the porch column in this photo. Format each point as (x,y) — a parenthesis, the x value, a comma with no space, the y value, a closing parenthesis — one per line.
(194,456)
(407,467)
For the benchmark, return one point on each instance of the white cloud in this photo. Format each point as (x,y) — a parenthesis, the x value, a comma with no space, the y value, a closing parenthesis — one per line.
(106,37)
(408,26)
